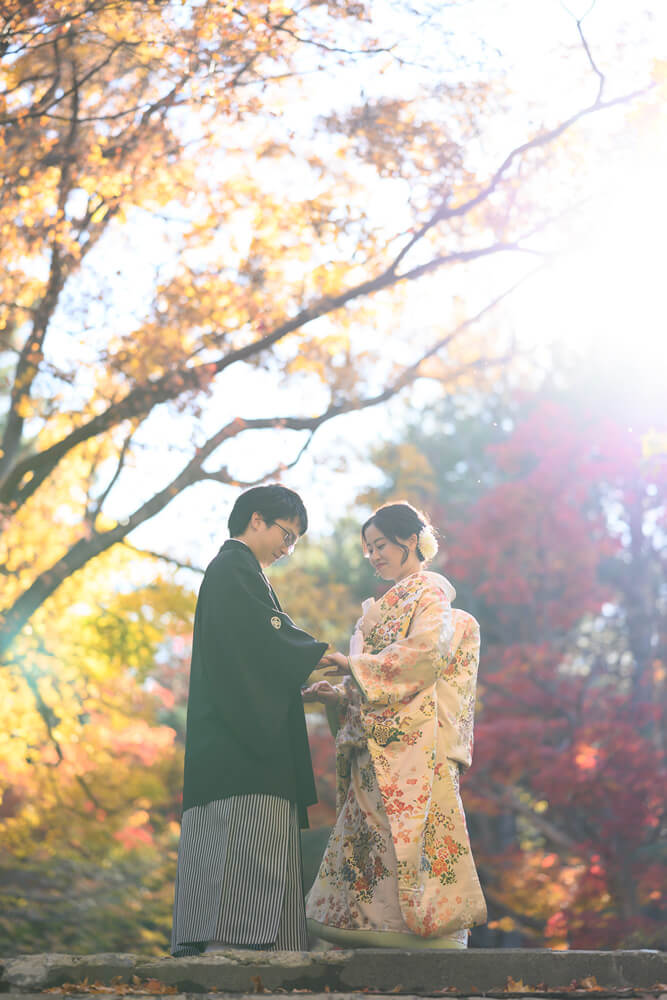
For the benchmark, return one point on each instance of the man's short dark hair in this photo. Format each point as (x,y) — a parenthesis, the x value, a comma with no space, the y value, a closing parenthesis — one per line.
(271,502)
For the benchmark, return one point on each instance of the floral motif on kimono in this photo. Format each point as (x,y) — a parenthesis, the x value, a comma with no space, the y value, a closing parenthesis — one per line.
(405,735)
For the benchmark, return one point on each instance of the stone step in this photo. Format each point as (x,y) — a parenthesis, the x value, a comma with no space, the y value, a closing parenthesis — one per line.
(471,973)
(603,995)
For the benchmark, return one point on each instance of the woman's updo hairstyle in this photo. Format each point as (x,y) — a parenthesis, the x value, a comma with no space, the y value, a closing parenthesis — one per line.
(400,520)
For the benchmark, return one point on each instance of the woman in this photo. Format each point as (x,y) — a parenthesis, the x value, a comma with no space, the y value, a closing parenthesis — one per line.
(398,870)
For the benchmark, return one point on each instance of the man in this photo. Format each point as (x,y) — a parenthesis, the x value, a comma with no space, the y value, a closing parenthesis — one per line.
(248,774)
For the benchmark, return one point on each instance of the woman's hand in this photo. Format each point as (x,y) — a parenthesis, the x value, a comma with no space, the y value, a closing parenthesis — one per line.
(323,692)
(339,663)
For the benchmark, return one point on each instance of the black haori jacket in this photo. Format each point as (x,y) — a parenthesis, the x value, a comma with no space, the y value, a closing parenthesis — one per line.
(246,729)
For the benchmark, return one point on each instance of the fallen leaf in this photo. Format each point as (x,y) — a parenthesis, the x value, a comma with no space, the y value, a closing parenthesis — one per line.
(155,986)
(149,987)
(517,986)
(590,983)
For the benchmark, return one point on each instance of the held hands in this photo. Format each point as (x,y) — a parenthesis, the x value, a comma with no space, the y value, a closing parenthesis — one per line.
(339,663)
(323,692)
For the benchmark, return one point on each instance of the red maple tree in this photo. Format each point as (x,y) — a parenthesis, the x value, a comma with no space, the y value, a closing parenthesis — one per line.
(566,556)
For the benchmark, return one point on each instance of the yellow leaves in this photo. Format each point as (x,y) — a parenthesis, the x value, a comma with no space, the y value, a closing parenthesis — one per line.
(329,278)
(411,473)
(301,364)
(99,214)
(506,924)
(106,731)
(279,9)
(398,139)
(518,986)
(25,408)
(590,983)
(138,818)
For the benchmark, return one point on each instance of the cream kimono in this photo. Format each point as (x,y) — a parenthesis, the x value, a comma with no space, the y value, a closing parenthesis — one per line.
(399,860)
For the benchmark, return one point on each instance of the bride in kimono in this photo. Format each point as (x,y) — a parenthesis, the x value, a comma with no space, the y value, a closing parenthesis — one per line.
(398,870)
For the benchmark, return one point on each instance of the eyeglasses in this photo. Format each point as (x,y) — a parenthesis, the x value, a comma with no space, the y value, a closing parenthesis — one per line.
(288,536)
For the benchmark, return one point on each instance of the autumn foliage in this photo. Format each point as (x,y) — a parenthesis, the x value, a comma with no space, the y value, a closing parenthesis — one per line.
(174,223)
(561,556)
(567,555)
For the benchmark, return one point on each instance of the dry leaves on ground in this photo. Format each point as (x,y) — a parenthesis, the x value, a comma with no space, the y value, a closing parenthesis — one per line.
(117,985)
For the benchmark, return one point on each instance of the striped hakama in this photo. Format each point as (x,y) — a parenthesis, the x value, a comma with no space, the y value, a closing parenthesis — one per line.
(239,877)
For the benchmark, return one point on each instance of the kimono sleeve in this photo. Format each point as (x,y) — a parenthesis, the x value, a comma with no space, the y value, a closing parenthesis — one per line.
(270,640)
(410,664)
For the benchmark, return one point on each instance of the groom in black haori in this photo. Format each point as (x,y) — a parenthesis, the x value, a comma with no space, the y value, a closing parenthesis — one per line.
(248,773)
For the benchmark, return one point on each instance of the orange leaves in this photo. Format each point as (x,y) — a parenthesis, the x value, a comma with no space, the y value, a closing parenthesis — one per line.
(590,983)
(141,742)
(518,986)
(137,831)
(587,757)
(587,983)
(117,986)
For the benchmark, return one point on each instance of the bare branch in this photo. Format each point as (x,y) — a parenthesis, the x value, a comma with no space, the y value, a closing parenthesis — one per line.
(222,475)
(543,139)
(163,558)
(334,48)
(31,676)
(589,55)
(94,514)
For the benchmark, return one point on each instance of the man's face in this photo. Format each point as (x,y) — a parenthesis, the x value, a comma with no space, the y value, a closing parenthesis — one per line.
(270,540)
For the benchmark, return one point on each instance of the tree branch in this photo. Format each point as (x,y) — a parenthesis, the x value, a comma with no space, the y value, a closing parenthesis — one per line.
(37,112)
(94,543)
(164,558)
(94,514)
(27,367)
(223,476)
(141,400)
(589,55)
(444,212)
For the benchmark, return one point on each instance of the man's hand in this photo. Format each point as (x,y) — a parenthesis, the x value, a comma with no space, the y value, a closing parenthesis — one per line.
(339,663)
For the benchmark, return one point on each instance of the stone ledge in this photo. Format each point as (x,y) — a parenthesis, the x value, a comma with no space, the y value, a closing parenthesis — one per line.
(472,973)
(110,994)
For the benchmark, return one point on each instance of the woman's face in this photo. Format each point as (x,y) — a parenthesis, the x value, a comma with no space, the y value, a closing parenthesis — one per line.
(386,556)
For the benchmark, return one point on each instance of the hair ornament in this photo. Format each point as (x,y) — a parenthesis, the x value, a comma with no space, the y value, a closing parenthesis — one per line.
(427,543)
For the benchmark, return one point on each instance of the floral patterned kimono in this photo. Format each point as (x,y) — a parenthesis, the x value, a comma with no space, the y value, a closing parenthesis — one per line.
(398,870)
